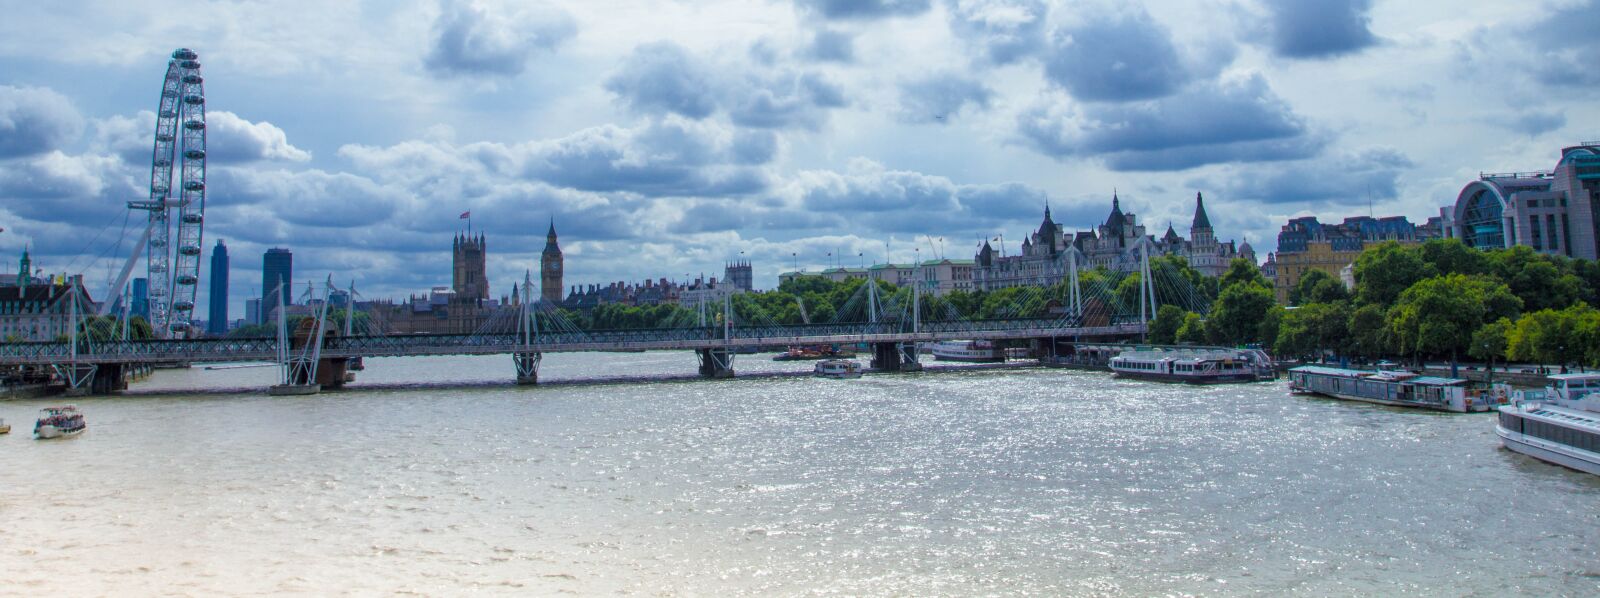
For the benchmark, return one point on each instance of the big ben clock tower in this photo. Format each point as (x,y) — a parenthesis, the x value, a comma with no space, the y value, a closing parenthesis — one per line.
(550,268)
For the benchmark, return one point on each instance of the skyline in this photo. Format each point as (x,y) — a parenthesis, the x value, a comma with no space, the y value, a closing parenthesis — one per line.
(752,127)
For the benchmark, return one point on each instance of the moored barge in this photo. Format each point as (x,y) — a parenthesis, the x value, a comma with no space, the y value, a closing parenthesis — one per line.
(1401,389)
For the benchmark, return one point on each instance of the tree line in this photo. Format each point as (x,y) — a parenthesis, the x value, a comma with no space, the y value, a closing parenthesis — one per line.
(1434,300)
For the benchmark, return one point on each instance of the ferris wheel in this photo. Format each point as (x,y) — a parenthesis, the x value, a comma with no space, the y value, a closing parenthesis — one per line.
(174,267)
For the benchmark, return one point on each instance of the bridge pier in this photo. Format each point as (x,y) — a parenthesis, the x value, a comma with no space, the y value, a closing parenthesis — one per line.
(895,357)
(715,363)
(527,367)
(80,378)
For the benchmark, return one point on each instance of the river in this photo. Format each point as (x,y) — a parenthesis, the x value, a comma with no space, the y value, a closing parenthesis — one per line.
(437,476)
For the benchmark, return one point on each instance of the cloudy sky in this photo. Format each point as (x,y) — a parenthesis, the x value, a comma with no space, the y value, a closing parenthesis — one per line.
(667,137)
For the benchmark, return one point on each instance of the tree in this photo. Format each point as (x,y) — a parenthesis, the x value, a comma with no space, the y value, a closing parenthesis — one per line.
(1327,291)
(1490,342)
(1164,329)
(1438,315)
(1267,331)
(1294,336)
(1451,256)
(1368,328)
(1236,317)
(1193,330)
(1241,271)
(1551,336)
(1386,270)
(1301,290)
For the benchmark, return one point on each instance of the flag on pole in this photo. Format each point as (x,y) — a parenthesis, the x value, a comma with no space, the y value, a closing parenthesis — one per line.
(465,215)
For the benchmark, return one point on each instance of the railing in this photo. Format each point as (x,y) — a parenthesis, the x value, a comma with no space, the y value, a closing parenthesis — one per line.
(265,349)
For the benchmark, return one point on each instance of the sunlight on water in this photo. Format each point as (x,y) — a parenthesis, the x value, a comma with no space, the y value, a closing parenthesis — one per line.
(967,482)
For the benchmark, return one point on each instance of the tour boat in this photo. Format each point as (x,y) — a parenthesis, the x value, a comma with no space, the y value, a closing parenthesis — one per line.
(1195,366)
(979,351)
(55,422)
(807,353)
(1398,388)
(838,368)
(1560,424)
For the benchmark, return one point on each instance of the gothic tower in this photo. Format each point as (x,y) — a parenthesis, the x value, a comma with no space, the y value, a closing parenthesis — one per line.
(1200,230)
(550,268)
(471,282)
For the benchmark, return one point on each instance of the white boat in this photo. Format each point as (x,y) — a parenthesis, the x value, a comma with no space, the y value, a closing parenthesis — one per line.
(838,368)
(1397,388)
(971,351)
(1560,424)
(56,422)
(1195,366)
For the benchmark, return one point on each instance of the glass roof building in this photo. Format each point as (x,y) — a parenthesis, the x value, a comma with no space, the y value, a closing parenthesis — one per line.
(1550,211)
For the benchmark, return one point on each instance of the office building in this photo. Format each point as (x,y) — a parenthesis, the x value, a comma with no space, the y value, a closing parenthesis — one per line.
(277,271)
(218,324)
(1556,212)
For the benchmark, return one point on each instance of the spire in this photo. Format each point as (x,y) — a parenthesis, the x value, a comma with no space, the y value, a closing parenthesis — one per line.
(1116,220)
(1200,219)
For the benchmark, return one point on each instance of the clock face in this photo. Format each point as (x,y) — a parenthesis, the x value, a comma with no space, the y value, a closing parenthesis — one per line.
(555,267)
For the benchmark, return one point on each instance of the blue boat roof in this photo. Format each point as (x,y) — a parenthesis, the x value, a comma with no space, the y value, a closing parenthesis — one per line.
(1327,371)
(1349,373)
(1436,381)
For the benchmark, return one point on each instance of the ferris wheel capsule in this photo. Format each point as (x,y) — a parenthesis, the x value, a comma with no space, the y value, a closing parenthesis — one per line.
(194,99)
(188,279)
(182,306)
(184,54)
(193,79)
(194,125)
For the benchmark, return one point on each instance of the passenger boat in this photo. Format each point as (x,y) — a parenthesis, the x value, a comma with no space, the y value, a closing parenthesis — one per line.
(979,351)
(1399,388)
(811,352)
(1195,366)
(55,422)
(838,368)
(1560,424)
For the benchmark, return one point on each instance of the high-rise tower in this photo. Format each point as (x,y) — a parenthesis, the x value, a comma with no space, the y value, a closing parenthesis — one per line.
(470,259)
(277,268)
(550,268)
(218,324)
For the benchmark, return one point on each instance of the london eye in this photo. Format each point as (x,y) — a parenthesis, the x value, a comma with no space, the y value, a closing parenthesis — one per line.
(173,264)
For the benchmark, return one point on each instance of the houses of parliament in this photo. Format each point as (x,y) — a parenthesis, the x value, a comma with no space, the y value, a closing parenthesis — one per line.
(466,306)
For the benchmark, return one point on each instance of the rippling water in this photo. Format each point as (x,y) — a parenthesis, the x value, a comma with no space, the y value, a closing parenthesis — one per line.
(965,482)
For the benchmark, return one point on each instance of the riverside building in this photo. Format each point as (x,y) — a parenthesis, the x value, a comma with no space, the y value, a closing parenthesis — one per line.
(1111,245)
(1556,212)
(1304,244)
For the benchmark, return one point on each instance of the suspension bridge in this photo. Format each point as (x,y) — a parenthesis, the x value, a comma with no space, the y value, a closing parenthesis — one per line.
(1059,307)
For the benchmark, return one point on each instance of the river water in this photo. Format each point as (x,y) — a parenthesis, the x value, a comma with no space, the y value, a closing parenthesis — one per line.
(1019,481)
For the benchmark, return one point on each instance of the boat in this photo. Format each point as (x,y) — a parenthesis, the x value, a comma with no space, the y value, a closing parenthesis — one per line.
(838,368)
(56,422)
(5,428)
(1194,366)
(1559,425)
(1398,388)
(812,352)
(979,351)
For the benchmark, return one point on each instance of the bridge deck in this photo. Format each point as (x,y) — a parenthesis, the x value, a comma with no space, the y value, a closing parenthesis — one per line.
(265,349)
